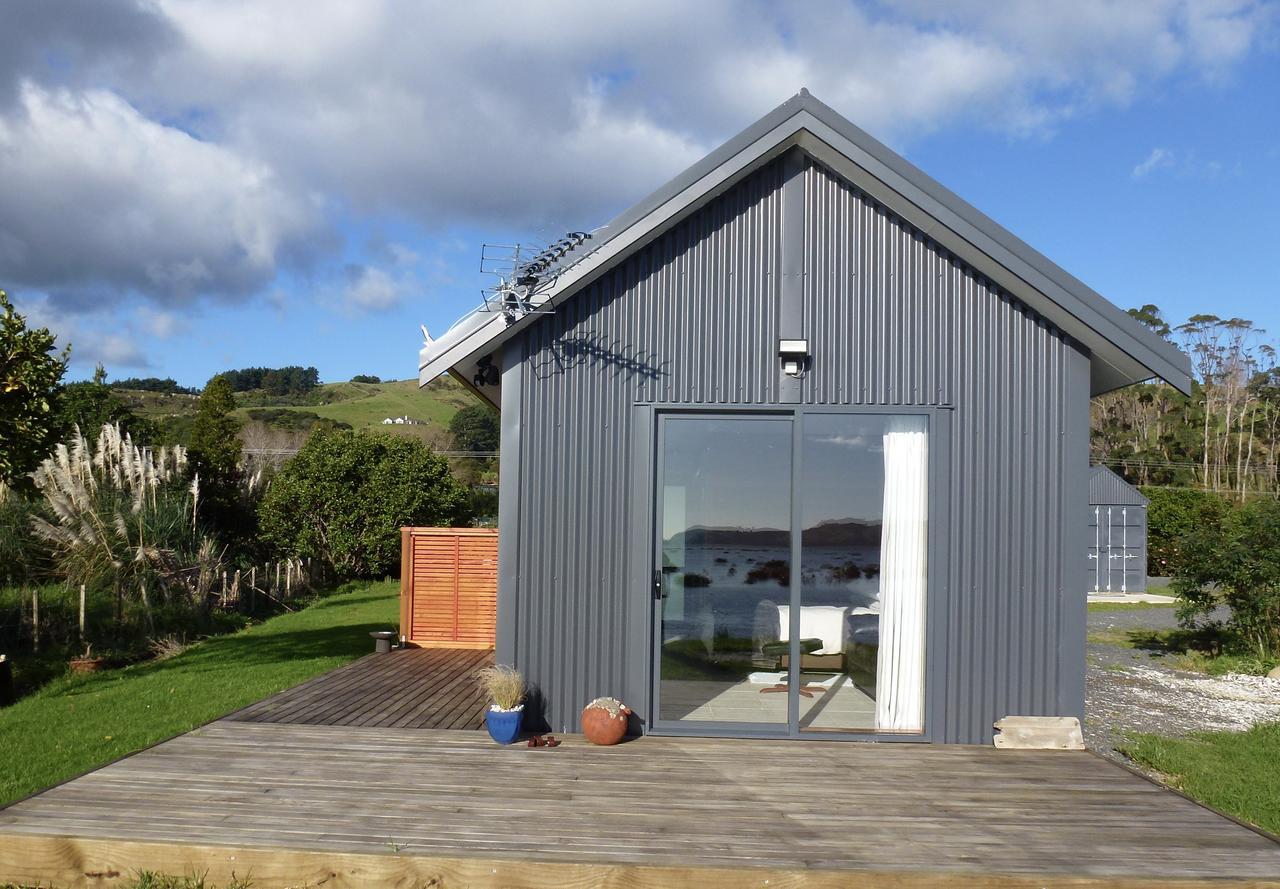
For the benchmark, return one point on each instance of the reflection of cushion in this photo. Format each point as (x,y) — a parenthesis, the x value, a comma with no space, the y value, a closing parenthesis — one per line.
(825,622)
(782,649)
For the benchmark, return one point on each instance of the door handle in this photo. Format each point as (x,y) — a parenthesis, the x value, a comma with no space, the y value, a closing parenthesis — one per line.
(657,584)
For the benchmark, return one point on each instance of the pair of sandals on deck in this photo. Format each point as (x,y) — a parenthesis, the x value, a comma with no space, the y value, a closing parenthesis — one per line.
(543,741)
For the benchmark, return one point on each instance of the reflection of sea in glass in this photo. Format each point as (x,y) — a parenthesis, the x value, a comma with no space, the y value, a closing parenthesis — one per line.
(842,499)
(725,541)
(729,611)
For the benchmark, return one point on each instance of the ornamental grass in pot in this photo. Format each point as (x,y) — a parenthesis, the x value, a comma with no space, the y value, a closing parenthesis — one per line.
(505,688)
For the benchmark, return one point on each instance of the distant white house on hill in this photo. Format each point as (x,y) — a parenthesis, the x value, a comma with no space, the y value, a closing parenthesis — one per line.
(401,421)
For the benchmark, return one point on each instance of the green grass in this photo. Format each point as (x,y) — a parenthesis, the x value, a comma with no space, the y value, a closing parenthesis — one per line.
(366,405)
(1236,772)
(361,405)
(78,723)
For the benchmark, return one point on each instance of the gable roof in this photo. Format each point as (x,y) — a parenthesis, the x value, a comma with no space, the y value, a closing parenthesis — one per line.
(1122,351)
(1107,488)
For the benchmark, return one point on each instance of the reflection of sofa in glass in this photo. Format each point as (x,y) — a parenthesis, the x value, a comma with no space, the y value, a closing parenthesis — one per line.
(824,636)
(833,639)
(863,648)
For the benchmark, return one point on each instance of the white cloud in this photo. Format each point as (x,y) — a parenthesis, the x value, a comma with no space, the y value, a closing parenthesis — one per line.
(98,196)
(1157,159)
(194,148)
(1184,165)
(371,288)
(161,324)
(94,337)
(377,287)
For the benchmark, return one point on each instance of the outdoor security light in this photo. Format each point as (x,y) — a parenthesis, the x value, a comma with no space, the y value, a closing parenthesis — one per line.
(487,373)
(794,355)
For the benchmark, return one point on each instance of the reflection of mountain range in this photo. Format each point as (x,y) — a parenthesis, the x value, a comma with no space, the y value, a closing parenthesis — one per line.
(835,532)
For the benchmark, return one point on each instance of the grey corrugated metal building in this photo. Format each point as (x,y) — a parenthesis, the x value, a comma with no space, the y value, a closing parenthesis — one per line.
(1117,534)
(797,446)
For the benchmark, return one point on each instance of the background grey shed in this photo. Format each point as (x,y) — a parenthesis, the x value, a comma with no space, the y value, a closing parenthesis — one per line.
(1117,534)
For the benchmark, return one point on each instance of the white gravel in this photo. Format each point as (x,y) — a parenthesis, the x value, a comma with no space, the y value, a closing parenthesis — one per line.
(1233,702)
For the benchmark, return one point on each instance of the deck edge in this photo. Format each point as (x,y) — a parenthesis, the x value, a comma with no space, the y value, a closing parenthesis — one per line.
(83,863)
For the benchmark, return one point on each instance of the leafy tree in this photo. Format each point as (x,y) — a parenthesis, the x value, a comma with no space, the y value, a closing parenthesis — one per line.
(30,373)
(1173,514)
(214,450)
(91,405)
(345,496)
(1151,316)
(292,380)
(366,378)
(475,428)
(1235,561)
(168,385)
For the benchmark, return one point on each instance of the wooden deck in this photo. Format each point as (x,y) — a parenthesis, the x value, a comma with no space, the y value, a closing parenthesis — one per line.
(408,688)
(348,806)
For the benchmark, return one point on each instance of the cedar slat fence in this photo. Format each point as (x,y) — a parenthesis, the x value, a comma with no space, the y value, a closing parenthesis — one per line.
(449,587)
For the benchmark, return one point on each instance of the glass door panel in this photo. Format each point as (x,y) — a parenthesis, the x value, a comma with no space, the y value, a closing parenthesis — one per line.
(723,569)
(863,508)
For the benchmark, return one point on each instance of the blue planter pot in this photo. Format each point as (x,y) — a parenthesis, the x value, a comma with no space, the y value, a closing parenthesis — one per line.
(504,725)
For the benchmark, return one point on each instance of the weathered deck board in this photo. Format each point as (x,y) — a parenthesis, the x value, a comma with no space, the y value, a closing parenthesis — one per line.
(423,688)
(653,812)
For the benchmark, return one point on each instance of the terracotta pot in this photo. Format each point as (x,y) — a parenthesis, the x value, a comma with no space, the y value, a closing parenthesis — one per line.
(87,664)
(603,727)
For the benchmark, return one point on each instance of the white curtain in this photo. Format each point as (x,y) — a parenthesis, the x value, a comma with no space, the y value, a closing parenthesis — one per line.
(900,661)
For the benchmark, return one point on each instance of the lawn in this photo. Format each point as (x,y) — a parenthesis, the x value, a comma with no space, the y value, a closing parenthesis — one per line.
(79,723)
(1236,772)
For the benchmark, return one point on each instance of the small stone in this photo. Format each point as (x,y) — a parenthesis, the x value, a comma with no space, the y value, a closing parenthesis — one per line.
(1274,674)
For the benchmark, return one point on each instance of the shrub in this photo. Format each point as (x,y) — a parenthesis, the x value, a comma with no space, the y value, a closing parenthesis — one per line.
(1234,559)
(1173,514)
(20,552)
(345,496)
(121,518)
(366,378)
(88,406)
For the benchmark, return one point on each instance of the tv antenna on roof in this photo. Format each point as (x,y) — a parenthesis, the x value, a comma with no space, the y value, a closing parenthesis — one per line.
(525,273)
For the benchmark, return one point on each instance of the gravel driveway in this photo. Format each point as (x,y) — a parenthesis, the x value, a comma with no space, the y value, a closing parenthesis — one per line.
(1134,689)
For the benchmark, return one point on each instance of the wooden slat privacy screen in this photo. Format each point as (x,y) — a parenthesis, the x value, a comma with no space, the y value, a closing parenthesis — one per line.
(449,586)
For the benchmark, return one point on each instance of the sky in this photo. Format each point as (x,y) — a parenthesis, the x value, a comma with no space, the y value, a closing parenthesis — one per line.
(192,185)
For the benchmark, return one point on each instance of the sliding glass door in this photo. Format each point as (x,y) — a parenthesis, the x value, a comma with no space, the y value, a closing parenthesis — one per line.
(724,558)
(790,572)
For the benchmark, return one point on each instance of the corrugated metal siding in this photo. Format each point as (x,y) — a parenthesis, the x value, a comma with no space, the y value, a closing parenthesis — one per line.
(1106,488)
(693,318)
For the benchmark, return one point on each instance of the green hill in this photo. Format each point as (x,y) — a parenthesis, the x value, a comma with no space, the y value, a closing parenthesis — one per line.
(359,405)
(366,405)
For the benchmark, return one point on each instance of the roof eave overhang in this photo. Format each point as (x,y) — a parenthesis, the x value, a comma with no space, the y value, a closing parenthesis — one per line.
(1120,350)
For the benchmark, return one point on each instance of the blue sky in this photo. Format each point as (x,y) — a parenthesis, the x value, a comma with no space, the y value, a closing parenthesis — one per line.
(194,185)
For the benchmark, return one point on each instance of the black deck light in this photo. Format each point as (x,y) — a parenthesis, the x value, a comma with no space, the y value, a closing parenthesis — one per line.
(794,355)
(487,373)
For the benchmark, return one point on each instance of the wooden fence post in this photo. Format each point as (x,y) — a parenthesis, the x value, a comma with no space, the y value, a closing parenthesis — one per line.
(235,587)
(253,588)
(224,589)
(288,578)
(276,588)
(82,614)
(35,619)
